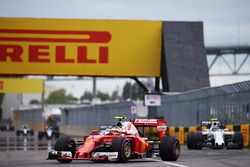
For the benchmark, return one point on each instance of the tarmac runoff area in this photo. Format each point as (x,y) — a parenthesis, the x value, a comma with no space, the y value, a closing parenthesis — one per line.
(36,156)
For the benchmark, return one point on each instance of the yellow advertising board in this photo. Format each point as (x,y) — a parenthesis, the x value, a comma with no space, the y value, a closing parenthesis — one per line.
(192,129)
(230,128)
(172,131)
(245,132)
(181,135)
(20,85)
(80,47)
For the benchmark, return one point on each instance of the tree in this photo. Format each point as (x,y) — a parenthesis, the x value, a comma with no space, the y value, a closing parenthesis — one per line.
(102,96)
(126,91)
(137,92)
(114,95)
(35,101)
(133,91)
(59,97)
(87,96)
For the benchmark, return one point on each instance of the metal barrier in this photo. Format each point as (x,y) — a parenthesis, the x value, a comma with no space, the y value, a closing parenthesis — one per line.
(229,103)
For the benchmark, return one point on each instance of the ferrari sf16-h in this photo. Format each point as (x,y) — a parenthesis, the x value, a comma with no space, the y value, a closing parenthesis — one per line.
(120,143)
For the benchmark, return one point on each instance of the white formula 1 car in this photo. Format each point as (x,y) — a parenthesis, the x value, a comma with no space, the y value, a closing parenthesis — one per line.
(49,133)
(24,130)
(214,136)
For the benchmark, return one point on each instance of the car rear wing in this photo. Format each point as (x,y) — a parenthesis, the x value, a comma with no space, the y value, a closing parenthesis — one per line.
(209,123)
(149,122)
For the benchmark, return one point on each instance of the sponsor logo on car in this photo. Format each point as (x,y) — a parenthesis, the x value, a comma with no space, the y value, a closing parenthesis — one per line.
(110,155)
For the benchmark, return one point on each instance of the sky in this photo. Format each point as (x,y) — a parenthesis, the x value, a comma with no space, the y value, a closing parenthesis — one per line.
(226,22)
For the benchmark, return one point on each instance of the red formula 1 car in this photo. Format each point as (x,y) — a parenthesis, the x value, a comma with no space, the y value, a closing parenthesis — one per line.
(127,140)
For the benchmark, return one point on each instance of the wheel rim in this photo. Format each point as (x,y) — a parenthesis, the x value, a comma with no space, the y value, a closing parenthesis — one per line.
(70,144)
(127,150)
(177,149)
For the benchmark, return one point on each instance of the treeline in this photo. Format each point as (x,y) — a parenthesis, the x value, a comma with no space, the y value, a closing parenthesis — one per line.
(129,91)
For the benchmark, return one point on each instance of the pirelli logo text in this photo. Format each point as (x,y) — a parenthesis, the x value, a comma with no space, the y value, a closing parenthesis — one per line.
(39,49)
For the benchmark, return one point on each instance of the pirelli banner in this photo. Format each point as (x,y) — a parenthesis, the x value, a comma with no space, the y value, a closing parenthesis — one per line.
(21,85)
(80,47)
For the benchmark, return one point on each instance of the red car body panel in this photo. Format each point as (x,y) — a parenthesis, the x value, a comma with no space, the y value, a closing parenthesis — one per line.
(138,144)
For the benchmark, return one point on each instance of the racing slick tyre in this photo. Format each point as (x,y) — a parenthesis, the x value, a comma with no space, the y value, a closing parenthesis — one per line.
(56,135)
(65,143)
(169,148)
(12,128)
(3,128)
(195,141)
(123,147)
(18,132)
(191,141)
(198,141)
(40,135)
(238,139)
(31,133)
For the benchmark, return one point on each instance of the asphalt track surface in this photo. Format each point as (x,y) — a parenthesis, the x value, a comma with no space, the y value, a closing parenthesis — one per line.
(35,154)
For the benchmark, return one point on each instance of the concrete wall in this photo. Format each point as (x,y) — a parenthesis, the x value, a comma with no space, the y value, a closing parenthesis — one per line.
(10,103)
(184,63)
(31,117)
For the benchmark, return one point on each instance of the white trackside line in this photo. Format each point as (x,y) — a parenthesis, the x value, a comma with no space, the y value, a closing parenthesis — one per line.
(168,163)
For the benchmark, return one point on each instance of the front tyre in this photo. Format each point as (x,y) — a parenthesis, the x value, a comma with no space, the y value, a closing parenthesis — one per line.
(169,148)
(238,140)
(198,141)
(65,143)
(123,147)
(191,140)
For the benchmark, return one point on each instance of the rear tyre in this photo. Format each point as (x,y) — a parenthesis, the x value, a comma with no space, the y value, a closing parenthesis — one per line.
(195,141)
(18,133)
(238,139)
(56,135)
(31,133)
(169,148)
(65,143)
(3,128)
(40,135)
(123,147)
